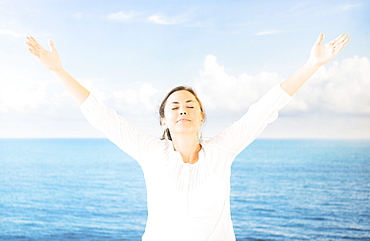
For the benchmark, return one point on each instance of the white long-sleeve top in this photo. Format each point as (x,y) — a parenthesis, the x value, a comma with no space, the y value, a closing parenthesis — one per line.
(187,202)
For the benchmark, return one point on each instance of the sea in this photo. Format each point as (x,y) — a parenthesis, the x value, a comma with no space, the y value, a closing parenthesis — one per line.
(87,190)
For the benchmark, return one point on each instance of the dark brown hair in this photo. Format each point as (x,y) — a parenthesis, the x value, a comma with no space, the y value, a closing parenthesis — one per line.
(166,133)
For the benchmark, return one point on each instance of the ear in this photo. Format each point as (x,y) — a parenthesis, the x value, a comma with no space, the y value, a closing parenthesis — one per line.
(163,123)
(202,120)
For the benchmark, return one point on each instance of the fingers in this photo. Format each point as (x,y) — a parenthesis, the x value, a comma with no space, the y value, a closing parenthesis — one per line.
(334,40)
(33,52)
(33,43)
(340,46)
(320,39)
(36,49)
(339,43)
(31,47)
(339,39)
(336,43)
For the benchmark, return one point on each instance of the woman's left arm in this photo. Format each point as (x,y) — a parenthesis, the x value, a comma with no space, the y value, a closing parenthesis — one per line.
(320,55)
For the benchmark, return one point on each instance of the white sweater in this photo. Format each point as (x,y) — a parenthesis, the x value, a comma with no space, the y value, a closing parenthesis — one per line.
(187,202)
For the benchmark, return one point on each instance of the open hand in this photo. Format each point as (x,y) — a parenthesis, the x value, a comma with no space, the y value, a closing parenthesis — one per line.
(321,54)
(49,59)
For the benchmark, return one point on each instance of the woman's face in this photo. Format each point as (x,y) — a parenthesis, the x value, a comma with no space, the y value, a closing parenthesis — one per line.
(182,113)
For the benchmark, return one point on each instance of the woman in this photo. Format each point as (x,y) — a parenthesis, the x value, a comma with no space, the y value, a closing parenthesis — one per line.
(187,179)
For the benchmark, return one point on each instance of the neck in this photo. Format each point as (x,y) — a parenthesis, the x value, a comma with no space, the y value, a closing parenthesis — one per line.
(188,146)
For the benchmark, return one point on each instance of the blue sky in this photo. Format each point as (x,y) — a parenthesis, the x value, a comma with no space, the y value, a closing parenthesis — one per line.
(130,53)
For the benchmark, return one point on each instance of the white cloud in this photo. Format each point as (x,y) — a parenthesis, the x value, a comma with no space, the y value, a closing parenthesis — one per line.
(349,6)
(342,87)
(123,16)
(146,95)
(337,9)
(142,100)
(19,89)
(22,96)
(222,91)
(267,32)
(11,33)
(160,19)
(32,99)
(90,84)
(337,88)
(299,6)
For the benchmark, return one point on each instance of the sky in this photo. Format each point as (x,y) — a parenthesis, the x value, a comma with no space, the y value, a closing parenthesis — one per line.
(131,53)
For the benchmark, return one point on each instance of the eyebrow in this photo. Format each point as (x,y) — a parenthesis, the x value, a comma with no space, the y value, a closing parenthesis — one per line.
(176,103)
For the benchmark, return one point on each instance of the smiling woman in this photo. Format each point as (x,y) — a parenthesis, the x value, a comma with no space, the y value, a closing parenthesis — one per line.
(187,178)
(193,101)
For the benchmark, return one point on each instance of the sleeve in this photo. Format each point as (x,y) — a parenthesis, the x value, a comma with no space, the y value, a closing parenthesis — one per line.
(240,134)
(117,129)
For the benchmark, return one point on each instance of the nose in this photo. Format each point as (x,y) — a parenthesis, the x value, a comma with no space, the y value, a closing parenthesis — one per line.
(182,112)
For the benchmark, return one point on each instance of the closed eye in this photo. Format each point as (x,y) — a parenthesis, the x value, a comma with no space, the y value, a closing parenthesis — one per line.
(175,108)
(190,107)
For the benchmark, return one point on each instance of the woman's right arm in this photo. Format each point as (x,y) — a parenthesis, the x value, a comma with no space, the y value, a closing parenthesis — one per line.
(51,61)
(131,140)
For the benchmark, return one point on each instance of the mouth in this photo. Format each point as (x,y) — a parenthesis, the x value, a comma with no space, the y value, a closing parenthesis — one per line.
(183,120)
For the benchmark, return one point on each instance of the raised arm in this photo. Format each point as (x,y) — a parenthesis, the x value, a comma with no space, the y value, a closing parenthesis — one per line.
(51,61)
(320,55)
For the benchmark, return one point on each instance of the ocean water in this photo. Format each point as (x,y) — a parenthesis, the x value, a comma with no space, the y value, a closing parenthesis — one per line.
(87,189)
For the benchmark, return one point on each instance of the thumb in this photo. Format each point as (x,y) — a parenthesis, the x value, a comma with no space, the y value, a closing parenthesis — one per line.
(52,46)
(320,39)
